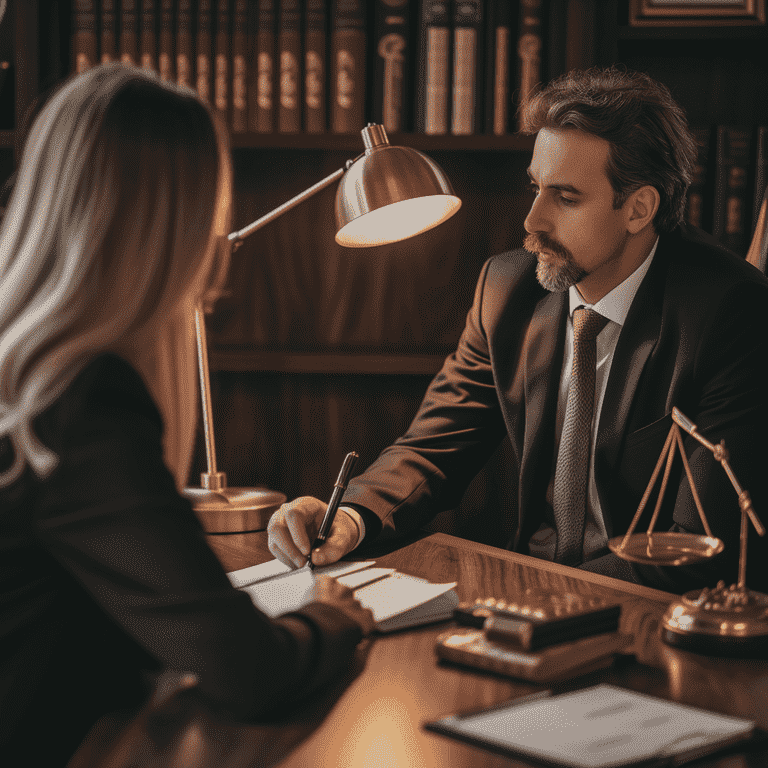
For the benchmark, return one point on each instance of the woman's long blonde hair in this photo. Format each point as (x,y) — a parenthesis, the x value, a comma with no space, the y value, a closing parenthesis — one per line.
(108,235)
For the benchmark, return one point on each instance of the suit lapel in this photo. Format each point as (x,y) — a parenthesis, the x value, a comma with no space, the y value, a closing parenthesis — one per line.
(636,342)
(542,354)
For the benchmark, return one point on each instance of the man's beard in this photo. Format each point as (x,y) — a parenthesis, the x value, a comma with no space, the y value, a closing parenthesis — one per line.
(560,272)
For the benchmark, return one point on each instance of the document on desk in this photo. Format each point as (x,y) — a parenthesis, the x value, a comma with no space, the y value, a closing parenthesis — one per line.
(395,599)
(598,727)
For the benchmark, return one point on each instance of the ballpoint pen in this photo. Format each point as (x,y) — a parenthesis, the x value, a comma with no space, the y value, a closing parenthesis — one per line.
(333,504)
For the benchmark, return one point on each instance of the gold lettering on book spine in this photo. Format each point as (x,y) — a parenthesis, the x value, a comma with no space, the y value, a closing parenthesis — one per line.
(391,49)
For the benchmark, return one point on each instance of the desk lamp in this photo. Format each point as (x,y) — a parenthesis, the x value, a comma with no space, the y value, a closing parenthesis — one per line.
(385,195)
(723,620)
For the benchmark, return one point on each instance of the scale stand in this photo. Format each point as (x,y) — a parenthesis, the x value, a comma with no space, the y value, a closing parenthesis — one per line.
(722,620)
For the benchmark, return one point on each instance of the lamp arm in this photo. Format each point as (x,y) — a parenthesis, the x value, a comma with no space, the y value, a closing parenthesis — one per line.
(721,454)
(236,238)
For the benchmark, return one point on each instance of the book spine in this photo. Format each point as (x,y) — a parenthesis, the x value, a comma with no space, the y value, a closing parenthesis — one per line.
(289,56)
(393,49)
(84,41)
(731,214)
(240,67)
(129,32)
(498,67)
(467,70)
(261,101)
(348,52)
(221,61)
(315,88)
(204,47)
(761,172)
(557,38)
(432,93)
(184,43)
(581,21)
(694,207)
(148,40)
(529,44)
(108,31)
(165,41)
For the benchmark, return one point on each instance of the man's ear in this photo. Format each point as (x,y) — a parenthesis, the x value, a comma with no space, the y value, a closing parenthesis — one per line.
(641,207)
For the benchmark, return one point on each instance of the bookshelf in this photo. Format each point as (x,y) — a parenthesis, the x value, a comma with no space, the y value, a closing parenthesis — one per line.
(319,351)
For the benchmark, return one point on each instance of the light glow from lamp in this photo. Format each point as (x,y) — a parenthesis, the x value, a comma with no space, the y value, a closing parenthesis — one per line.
(397,221)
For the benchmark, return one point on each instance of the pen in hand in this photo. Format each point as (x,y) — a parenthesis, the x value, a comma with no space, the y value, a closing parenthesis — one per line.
(333,504)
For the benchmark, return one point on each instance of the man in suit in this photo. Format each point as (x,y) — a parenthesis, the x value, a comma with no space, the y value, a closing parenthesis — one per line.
(681,322)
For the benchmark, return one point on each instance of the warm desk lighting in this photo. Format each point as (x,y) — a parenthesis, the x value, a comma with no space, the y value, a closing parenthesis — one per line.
(386,194)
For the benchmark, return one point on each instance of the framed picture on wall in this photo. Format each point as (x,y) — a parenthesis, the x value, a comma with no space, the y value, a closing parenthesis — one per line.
(696,13)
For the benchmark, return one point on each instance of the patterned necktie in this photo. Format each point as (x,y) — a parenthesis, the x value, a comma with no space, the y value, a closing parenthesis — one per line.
(572,470)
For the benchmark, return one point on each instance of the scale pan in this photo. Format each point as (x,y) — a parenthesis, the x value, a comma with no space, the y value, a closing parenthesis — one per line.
(666,548)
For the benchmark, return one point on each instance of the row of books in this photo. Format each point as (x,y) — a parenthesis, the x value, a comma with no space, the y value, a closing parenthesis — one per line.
(729,182)
(432,66)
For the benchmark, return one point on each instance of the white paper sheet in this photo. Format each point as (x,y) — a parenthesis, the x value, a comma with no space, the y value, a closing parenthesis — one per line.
(602,727)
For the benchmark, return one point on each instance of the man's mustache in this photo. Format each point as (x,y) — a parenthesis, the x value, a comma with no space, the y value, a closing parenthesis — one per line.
(537,242)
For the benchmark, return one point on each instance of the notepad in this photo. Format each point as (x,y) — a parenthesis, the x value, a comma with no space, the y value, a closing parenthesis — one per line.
(599,727)
(395,599)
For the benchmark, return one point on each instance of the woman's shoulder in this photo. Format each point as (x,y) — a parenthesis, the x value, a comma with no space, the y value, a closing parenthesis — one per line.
(107,390)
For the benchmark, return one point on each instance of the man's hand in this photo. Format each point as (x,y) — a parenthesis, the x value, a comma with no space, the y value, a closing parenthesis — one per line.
(293,528)
(330,591)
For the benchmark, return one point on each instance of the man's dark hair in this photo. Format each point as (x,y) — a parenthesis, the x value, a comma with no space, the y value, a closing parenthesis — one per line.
(650,142)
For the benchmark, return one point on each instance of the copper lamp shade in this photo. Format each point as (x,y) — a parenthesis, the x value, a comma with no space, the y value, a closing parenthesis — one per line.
(390,193)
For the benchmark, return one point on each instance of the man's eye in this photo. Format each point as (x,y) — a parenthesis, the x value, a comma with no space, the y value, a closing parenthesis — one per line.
(567,200)
(534,189)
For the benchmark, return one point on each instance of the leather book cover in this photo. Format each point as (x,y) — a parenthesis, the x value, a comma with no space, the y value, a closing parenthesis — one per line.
(347,67)
(289,58)
(434,62)
(84,42)
(498,67)
(761,172)
(204,50)
(529,45)
(697,211)
(315,72)
(240,67)
(467,80)
(221,75)
(261,82)
(165,41)
(148,37)
(108,31)
(394,56)
(184,44)
(129,31)
(732,199)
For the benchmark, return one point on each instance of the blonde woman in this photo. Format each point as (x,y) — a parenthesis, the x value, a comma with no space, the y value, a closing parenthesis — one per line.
(112,234)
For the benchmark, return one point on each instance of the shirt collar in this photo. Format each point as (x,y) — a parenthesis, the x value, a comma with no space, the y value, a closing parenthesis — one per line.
(616,303)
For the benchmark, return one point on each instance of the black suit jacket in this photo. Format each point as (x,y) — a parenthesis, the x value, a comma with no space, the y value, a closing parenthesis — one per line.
(695,338)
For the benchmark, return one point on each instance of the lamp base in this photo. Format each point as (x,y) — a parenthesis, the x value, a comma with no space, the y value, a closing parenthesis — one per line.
(722,621)
(234,510)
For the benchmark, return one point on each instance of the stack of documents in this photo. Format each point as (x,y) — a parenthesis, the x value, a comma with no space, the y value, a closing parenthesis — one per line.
(395,599)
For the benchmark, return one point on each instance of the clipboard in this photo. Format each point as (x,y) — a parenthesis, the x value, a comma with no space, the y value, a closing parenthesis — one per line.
(603,726)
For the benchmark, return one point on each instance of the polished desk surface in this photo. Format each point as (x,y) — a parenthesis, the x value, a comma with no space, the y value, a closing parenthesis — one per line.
(375,718)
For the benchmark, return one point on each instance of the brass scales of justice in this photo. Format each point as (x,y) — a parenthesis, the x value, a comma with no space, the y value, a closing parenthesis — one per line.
(721,620)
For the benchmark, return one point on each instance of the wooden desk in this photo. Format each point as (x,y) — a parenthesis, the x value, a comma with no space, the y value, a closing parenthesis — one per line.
(376,720)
